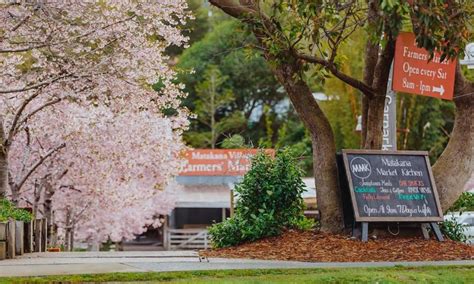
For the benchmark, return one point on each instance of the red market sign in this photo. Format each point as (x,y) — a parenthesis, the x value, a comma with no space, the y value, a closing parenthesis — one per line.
(219,162)
(414,73)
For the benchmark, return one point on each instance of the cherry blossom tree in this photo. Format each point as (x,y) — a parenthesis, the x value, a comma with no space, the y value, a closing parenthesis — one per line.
(119,165)
(111,178)
(85,51)
(82,132)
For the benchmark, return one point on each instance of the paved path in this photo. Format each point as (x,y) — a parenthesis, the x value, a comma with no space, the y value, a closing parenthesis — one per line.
(40,264)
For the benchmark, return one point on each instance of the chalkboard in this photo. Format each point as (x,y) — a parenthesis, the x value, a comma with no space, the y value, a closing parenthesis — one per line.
(392,186)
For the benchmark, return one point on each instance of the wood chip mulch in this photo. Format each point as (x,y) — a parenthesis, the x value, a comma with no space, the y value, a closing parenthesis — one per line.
(323,247)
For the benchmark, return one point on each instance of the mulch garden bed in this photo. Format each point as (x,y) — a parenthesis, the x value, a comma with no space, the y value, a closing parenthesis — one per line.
(323,247)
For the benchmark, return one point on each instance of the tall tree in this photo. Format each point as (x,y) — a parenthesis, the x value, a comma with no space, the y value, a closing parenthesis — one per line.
(295,34)
(212,99)
(248,78)
(53,51)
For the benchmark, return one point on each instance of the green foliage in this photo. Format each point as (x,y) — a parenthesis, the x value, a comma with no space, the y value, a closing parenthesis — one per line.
(211,98)
(293,134)
(427,121)
(246,75)
(453,230)
(236,141)
(269,200)
(442,25)
(464,203)
(8,211)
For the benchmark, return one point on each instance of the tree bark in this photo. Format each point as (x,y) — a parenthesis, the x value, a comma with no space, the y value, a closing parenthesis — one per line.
(376,103)
(455,166)
(3,162)
(370,58)
(323,144)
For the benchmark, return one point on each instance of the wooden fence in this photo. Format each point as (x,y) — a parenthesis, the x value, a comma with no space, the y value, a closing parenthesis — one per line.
(17,237)
(186,239)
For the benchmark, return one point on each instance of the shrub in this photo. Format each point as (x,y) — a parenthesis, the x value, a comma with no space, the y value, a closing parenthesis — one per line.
(464,203)
(453,230)
(8,211)
(269,200)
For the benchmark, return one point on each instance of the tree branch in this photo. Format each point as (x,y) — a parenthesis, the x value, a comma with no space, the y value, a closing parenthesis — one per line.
(234,9)
(17,116)
(39,163)
(35,86)
(47,104)
(361,86)
(46,44)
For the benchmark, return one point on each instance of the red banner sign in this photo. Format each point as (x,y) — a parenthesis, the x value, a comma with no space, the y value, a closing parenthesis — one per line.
(219,162)
(414,73)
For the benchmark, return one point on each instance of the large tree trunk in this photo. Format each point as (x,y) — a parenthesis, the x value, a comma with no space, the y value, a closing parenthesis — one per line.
(3,162)
(455,166)
(374,133)
(375,104)
(324,147)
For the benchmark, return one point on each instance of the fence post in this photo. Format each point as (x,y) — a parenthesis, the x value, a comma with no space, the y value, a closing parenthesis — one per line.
(19,235)
(166,238)
(3,241)
(28,237)
(37,235)
(44,230)
(11,239)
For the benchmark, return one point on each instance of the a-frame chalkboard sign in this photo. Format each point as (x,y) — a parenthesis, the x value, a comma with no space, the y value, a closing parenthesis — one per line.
(392,186)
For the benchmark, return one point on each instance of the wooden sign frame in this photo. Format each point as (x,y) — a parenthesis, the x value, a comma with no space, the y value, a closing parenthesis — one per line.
(359,218)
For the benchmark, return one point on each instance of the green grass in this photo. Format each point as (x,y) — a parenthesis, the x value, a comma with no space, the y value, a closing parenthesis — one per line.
(429,274)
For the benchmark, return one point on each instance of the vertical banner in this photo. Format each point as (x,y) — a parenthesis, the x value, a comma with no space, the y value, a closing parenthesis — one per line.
(389,140)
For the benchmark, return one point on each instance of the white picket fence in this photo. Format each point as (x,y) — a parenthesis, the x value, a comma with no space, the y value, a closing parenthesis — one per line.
(176,239)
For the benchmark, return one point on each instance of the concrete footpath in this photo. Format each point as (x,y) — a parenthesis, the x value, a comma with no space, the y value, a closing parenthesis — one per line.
(40,264)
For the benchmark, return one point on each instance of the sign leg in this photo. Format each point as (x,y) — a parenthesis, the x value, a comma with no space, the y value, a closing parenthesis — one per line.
(365,231)
(424,230)
(437,231)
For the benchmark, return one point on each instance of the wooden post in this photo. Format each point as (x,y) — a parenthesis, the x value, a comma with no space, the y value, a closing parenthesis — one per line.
(3,250)
(437,231)
(11,239)
(231,203)
(37,235)
(28,237)
(3,231)
(223,214)
(44,237)
(424,230)
(365,231)
(3,240)
(19,237)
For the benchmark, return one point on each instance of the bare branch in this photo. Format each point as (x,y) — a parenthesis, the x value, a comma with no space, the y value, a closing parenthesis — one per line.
(49,44)
(35,86)
(47,104)
(361,86)
(39,163)
(17,116)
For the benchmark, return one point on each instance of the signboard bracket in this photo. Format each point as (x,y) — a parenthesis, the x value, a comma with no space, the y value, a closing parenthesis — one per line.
(437,231)
(424,230)
(365,231)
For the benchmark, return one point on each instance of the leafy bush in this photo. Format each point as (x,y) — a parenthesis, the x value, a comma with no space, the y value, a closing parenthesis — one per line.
(269,200)
(453,230)
(8,211)
(464,203)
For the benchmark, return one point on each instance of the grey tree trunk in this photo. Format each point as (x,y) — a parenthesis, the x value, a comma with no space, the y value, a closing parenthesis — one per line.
(48,213)
(323,144)
(3,162)
(456,164)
